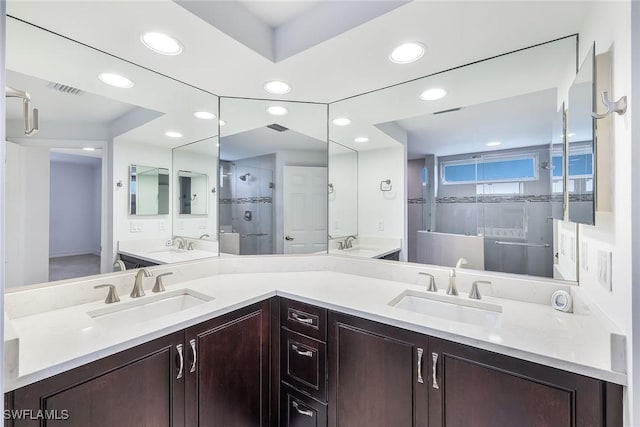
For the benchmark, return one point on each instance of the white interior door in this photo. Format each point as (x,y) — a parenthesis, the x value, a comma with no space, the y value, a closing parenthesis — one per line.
(305,209)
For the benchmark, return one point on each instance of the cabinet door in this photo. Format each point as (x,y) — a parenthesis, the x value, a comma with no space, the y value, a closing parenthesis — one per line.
(376,375)
(133,388)
(478,388)
(228,373)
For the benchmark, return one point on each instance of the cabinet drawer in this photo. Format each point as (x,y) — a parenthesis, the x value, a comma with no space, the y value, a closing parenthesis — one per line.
(304,318)
(303,363)
(298,410)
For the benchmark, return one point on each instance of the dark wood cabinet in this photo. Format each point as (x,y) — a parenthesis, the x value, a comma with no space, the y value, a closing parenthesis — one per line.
(133,388)
(228,365)
(376,374)
(216,373)
(477,388)
(132,263)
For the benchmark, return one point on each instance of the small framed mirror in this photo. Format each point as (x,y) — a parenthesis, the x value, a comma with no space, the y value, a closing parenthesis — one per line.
(148,190)
(192,192)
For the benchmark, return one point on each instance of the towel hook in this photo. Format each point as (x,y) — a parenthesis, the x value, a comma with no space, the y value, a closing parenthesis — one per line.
(619,106)
(330,186)
(15,93)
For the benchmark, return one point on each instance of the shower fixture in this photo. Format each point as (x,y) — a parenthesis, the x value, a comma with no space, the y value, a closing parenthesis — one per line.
(244,177)
(14,93)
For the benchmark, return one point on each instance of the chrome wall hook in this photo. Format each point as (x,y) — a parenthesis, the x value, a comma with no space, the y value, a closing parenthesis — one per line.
(619,106)
(15,93)
(385,185)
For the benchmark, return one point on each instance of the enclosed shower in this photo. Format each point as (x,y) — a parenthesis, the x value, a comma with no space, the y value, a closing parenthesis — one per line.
(246,205)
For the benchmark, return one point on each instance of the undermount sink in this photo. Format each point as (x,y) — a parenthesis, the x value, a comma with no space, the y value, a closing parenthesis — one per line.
(165,250)
(457,309)
(149,307)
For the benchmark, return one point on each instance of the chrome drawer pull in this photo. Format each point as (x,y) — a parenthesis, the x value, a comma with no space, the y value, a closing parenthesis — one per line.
(306,412)
(301,319)
(195,355)
(179,348)
(307,353)
(420,379)
(434,357)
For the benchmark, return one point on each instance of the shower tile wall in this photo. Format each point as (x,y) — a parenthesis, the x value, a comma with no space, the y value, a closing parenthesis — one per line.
(416,202)
(524,218)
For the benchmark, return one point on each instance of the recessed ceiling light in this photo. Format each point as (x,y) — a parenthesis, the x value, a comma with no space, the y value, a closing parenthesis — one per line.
(571,134)
(493,143)
(361,139)
(276,110)
(115,80)
(204,115)
(277,87)
(433,94)
(222,122)
(407,52)
(89,149)
(173,134)
(341,121)
(161,43)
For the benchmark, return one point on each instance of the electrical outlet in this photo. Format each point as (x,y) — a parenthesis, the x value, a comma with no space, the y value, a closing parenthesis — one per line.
(380,225)
(584,256)
(604,269)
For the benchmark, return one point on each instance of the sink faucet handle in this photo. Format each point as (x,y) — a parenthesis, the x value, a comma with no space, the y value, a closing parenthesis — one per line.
(475,293)
(112,296)
(159,286)
(340,246)
(432,281)
(190,246)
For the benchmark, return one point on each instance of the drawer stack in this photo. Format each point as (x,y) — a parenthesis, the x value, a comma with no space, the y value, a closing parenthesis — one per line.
(303,365)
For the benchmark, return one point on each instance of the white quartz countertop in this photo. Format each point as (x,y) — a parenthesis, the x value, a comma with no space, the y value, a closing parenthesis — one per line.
(57,340)
(169,255)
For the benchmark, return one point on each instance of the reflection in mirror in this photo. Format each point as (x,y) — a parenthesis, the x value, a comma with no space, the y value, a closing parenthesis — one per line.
(148,190)
(480,181)
(556,167)
(196,166)
(273,166)
(70,209)
(581,131)
(343,191)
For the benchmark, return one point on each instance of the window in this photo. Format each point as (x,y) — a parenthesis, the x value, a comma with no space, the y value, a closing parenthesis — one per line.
(580,166)
(500,188)
(498,169)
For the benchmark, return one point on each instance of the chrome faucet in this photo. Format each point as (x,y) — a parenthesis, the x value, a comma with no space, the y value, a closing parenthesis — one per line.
(180,241)
(204,235)
(119,264)
(348,240)
(461,262)
(475,293)
(432,281)
(451,289)
(138,291)
(159,286)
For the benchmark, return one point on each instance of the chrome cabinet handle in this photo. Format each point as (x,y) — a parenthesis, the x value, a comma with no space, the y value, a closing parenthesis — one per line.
(301,319)
(306,412)
(195,355)
(179,348)
(434,357)
(307,353)
(289,238)
(420,379)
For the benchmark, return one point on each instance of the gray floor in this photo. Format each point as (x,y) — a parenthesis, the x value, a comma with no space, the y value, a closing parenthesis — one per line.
(68,267)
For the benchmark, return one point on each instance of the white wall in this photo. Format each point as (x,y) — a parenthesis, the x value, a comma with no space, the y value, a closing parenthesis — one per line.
(148,227)
(3,236)
(26,210)
(378,208)
(343,202)
(196,225)
(609,25)
(74,209)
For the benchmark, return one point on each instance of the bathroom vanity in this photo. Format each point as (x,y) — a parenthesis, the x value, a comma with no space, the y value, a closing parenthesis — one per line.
(311,340)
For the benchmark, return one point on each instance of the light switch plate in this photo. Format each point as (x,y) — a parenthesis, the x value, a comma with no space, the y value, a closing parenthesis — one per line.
(604,269)
(380,225)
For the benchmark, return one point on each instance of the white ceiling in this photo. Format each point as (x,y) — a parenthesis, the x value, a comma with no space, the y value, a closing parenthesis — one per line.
(352,61)
(276,13)
(262,141)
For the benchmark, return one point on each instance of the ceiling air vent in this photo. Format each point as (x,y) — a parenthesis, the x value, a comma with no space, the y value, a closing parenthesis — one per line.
(277,127)
(448,111)
(65,89)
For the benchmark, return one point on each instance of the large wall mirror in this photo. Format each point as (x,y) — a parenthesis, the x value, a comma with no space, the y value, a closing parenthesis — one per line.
(273,177)
(484,149)
(581,184)
(101,174)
